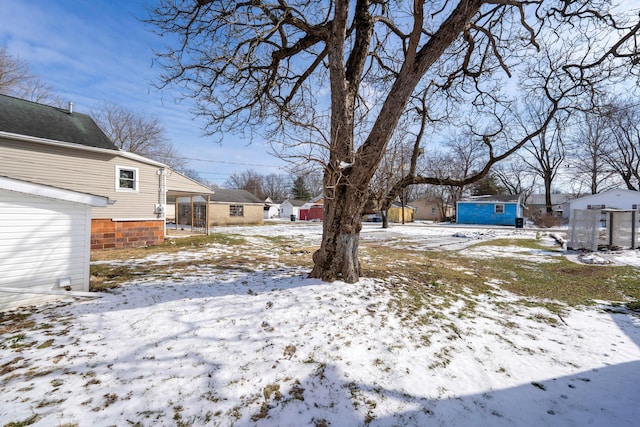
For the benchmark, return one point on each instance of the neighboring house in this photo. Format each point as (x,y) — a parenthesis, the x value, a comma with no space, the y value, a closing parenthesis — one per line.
(394,214)
(398,214)
(537,205)
(66,149)
(291,207)
(271,210)
(45,244)
(490,210)
(431,209)
(235,207)
(612,199)
(313,210)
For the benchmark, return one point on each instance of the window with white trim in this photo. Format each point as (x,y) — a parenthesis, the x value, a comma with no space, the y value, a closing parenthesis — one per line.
(433,210)
(126,178)
(499,208)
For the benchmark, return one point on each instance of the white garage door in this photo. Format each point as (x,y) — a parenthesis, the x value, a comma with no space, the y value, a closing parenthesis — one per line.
(44,243)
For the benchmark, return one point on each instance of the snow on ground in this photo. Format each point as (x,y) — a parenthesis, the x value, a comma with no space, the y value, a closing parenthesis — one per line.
(272,348)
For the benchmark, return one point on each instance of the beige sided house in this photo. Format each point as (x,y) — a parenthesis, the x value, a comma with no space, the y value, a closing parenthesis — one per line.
(235,207)
(59,147)
(431,209)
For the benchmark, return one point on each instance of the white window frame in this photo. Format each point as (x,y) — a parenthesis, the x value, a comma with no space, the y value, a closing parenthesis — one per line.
(433,210)
(498,211)
(136,179)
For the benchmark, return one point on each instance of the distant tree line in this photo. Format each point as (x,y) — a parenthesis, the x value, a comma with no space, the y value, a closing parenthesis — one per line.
(277,187)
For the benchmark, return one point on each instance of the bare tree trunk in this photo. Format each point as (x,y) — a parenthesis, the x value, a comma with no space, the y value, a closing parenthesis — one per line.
(547,194)
(337,258)
(385,218)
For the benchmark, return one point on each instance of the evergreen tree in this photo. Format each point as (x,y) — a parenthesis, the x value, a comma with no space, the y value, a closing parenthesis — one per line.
(300,190)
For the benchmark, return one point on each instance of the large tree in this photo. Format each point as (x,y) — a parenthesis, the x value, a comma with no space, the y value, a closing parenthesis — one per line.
(590,147)
(546,155)
(622,152)
(139,133)
(17,79)
(262,63)
(249,180)
(277,187)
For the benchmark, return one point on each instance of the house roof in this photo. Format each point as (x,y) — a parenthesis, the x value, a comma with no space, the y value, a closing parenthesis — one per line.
(503,198)
(619,192)
(22,117)
(234,196)
(295,202)
(556,199)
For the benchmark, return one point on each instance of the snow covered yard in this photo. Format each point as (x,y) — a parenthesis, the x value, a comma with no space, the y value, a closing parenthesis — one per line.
(236,335)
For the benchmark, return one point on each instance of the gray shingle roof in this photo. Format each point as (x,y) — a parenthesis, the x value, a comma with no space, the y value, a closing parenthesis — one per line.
(234,196)
(296,202)
(43,121)
(493,198)
(556,199)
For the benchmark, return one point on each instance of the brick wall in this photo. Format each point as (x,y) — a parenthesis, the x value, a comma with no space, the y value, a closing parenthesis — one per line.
(108,234)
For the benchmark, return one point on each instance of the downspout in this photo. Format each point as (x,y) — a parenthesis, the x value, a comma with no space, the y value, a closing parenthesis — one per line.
(162,198)
(208,210)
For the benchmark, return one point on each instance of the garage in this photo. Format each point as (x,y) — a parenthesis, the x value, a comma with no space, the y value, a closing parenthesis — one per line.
(45,245)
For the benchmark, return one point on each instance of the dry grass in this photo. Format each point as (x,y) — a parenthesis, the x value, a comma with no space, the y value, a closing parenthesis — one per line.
(170,245)
(423,275)
(565,281)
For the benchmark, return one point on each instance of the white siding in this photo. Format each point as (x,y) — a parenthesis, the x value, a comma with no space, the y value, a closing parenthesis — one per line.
(43,240)
(287,209)
(612,199)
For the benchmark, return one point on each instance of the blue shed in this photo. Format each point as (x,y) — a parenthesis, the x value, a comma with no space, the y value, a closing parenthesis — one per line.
(490,210)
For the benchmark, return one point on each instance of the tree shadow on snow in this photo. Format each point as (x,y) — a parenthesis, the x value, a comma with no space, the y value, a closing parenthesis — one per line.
(141,294)
(608,396)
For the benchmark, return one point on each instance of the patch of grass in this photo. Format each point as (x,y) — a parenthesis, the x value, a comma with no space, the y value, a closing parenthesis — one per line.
(15,321)
(16,341)
(424,284)
(272,391)
(45,344)
(170,245)
(633,305)
(45,403)
(29,421)
(522,243)
(11,365)
(105,276)
(241,256)
(565,281)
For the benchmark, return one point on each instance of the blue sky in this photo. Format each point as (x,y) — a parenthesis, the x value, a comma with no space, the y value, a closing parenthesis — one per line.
(91,51)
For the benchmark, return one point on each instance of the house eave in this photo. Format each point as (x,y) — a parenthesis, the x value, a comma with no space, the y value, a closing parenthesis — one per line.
(50,192)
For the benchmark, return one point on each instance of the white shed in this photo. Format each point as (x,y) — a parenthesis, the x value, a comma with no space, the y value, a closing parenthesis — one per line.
(291,207)
(611,199)
(45,244)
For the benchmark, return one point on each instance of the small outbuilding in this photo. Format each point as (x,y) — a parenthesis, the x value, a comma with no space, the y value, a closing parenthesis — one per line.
(612,199)
(46,241)
(235,207)
(271,210)
(490,210)
(291,208)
